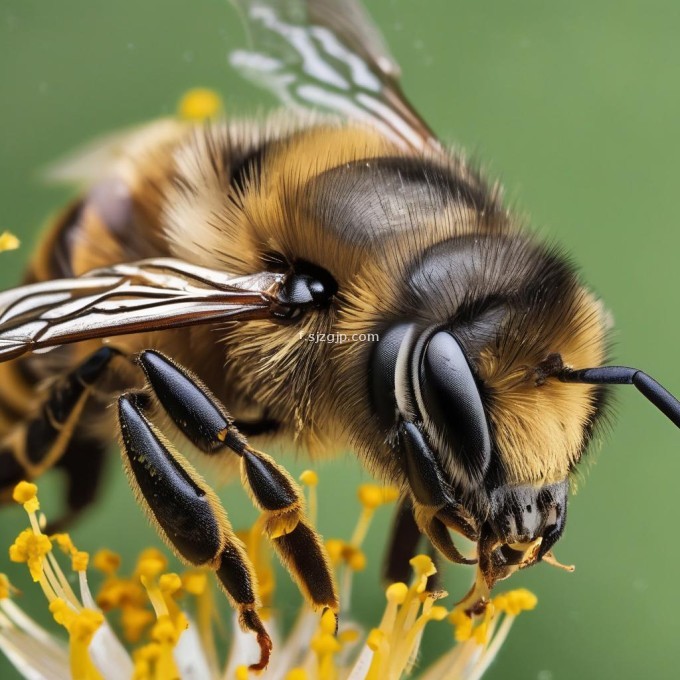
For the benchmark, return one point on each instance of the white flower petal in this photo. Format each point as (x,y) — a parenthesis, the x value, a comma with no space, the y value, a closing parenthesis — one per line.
(106,650)
(363,663)
(24,622)
(190,656)
(32,659)
(290,653)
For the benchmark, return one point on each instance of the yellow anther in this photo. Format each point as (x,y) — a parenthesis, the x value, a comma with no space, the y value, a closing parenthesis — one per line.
(348,636)
(437,613)
(64,542)
(134,620)
(164,631)
(241,673)
(32,506)
(335,548)
(4,587)
(85,625)
(309,478)
(328,622)
(145,658)
(141,670)
(81,627)
(106,561)
(79,560)
(199,104)
(166,634)
(480,633)
(423,565)
(297,674)
(194,582)
(325,644)
(117,592)
(61,612)
(8,241)
(372,496)
(151,563)
(515,601)
(30,548)
(26,494)
(462,624)
(375,639)
(170,583)
(396,593)
(355,558)
(148,652)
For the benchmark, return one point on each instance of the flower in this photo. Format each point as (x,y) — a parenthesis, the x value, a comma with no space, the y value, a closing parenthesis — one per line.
(200,104)
(8,241)
(166,620)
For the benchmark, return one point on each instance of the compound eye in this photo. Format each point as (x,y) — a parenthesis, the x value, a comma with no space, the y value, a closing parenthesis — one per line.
(453,405)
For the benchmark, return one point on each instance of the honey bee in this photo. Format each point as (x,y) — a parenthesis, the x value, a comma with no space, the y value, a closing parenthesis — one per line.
(187,280)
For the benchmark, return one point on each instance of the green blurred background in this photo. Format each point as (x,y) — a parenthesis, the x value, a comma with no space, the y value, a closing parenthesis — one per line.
(576,107)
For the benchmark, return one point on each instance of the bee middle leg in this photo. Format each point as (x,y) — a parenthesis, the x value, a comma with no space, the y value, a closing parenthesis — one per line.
(188,512)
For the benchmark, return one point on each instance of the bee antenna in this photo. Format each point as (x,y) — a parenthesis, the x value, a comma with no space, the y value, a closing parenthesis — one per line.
(621,375)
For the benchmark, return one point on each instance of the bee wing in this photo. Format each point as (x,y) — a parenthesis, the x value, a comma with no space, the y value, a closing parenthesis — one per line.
(127,298)
(107,155)
(328,54)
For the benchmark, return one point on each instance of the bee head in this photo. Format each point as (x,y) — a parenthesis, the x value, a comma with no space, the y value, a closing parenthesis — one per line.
(447,450)
(484,429)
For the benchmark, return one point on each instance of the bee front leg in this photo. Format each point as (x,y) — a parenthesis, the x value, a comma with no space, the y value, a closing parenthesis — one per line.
(206,423)
(188,513)
(434,509)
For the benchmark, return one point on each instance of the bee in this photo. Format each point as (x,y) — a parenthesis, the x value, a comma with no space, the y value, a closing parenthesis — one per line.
(185,282)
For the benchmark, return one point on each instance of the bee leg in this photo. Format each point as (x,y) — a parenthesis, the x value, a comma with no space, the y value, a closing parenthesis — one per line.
(403,545)
(83,462)
(206,423)
(39,442)
(431,498)
(188,514)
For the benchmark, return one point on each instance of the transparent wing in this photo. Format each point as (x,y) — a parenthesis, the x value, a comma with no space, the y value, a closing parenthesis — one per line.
(127,298)
(328,54)
(101,157)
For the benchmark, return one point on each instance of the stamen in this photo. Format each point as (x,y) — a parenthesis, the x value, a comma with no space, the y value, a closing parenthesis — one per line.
(312,651)
(371,497)
(8,241)
(106,561)
(31,548)
(297,674)
(311,480)
(200,104)
(325,645)
(4,587)
(166,635)
(81,627)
